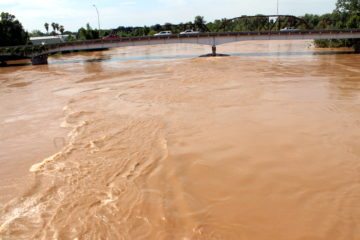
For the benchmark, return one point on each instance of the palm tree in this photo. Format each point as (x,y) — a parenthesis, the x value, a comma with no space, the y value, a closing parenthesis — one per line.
(53,25)
(46,25)
(57,26)
(61,29)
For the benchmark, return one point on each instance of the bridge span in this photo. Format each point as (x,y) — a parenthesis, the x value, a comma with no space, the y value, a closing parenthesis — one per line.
(211,39)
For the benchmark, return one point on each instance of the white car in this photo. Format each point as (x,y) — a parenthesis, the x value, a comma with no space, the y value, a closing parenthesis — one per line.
(188,32)
(164,33)
(289,29)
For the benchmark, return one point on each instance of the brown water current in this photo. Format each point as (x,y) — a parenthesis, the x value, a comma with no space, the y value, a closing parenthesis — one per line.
(154,143)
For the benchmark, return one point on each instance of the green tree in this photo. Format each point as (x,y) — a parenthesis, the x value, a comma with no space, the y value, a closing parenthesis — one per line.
(157,28)
(348,6)
(11,31)
(53,25)
(146,30)
(57,27)
(345,16)
(61,29)
(88,27)
(199,23)
(46,25)
(71,38)
(82,34)
(167,26)
(87,33)
(152,32)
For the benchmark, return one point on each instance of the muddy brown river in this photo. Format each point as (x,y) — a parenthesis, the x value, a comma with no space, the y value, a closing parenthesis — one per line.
(155,143)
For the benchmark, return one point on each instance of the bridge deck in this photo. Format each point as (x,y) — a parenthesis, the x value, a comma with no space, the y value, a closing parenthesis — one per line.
(211,39)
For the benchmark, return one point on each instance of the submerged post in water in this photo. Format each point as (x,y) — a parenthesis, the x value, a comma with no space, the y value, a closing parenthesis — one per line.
(214,50)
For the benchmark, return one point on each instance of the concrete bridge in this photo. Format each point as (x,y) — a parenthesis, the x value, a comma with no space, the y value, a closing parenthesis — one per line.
(211,39)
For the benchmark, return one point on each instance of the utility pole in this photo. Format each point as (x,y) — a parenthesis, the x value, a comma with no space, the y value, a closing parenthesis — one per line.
(277,13)
(98,15)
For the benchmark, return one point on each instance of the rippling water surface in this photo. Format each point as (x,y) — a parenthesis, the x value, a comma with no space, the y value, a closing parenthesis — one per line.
(154,143)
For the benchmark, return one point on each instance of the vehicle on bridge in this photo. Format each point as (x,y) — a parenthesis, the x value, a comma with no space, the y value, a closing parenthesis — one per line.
(289,29)
(189,32)
(163,33)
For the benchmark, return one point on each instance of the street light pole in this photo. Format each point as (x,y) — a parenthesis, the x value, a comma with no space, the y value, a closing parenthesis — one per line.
(277,13)
(98,15)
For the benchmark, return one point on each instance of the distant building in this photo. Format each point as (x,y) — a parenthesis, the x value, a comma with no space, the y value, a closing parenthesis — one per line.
(48,39)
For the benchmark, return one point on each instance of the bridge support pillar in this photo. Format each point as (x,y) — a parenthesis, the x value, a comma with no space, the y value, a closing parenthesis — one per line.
(213,48)
(40,60)
(214,53)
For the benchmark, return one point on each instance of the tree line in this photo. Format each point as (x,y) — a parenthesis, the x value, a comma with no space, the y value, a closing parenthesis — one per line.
(11,31)
(345,16)
(56,28)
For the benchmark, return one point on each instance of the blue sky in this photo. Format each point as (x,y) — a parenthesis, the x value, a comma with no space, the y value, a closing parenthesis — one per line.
(113,13)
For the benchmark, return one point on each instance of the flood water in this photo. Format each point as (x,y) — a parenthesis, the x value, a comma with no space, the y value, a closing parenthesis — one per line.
(155,143)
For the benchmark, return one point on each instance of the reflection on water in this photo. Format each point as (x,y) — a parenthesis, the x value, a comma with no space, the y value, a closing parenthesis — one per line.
(152,57)
(148,55)
(261,145)
(175,52)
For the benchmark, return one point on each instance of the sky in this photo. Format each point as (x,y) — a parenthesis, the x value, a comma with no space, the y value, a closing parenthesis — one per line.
(73,14)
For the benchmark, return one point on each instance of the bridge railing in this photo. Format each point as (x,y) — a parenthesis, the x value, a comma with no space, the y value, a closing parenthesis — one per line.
(40,49)
(22,50)
(210,34)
